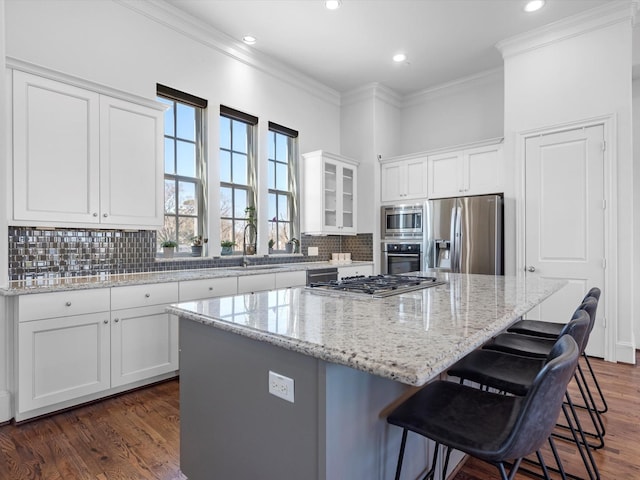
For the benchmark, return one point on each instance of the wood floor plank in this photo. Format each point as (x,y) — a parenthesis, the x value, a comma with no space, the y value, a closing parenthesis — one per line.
(137,435)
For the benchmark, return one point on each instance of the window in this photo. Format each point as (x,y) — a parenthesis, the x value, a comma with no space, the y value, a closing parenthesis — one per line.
(282,183)
(184,168)
(237,173)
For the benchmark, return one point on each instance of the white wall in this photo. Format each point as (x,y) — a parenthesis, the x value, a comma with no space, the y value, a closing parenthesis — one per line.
(577,77)
(465,111)
(111,43)
(636,198)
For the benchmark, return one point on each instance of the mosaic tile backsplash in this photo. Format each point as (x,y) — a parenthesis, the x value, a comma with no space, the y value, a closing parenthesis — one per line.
(35,252)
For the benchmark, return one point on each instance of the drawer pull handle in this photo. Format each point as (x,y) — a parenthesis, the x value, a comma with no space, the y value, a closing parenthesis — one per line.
(68,304)
(210,289)
(147,295)
(105,321)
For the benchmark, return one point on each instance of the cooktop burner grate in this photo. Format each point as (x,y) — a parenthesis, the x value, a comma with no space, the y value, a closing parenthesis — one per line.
(376,285)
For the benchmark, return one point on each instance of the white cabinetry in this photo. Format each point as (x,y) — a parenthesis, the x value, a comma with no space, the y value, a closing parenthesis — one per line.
(256,283)
(472,171)
(207,288)
(404,178)
(144,338)
(81,157)
(329,194)
(297,278)
(62,350)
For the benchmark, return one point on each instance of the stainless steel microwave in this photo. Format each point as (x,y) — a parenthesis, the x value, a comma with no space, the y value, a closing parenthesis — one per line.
(401,221)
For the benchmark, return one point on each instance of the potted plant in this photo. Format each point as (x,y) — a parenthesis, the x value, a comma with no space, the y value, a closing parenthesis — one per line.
(168,248)
(292,245)
(227,247)
(250,231)
(196,245)
(271,244)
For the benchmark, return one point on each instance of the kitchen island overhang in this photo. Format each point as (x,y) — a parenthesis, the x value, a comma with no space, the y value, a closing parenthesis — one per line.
(350,358)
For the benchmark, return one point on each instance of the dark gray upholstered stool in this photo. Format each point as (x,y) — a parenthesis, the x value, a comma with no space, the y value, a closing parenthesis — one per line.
(551,330)
(492,427)
(538,347)
(514,374)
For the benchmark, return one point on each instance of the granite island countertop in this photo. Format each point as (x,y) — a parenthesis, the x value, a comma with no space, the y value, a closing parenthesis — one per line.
(411,337)
(56,284)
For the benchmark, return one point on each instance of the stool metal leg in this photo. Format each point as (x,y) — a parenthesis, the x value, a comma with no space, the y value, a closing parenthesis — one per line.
(605,407)
(401,454)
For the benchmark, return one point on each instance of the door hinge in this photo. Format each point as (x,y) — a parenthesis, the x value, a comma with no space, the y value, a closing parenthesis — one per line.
(604,145)
(604,204)
(604,263)
(604,322)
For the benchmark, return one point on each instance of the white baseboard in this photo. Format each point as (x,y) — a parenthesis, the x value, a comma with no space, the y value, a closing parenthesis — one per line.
(625,352)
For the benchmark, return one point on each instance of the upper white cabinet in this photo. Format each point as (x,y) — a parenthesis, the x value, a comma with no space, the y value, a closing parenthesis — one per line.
(82,157)
(403,178)
(329,194)
(472,171)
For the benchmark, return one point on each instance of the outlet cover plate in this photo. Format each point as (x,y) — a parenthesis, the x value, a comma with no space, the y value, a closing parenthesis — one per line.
(281,386)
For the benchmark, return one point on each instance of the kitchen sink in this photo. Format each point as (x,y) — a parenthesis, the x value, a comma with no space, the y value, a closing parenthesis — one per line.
(257,267)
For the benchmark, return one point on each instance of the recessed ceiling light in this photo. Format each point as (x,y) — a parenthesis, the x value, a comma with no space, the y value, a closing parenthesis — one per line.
(333,4)
(399,57)
(534,5)
(249,39)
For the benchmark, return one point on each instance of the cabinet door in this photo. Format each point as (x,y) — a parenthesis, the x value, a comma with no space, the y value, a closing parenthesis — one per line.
(207,288)
(56,151)
(445,172)
(332,198)
(61,359)
(256,283)
(354,271)
(144,343)
(131,165)
(347,206)
(392,175)
(484,167)
(415,178)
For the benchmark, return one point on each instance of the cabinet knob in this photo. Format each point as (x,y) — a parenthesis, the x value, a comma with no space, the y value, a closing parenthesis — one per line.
(210,289)
(68,304)
(105,215)
(105,321)
(147,295)
(95,214)
(531,269)
(116,320)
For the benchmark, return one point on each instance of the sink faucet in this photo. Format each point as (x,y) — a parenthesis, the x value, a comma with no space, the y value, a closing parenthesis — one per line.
(245,261)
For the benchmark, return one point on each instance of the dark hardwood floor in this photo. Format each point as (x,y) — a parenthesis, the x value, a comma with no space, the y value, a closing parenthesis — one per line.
(136,436)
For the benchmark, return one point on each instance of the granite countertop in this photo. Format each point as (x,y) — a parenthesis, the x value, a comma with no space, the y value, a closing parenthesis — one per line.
(53,284)
(411,337)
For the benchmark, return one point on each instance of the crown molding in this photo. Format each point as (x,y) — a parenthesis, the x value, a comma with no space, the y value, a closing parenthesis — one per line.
(191,27)
(596,18)
(455,86)
(371,91)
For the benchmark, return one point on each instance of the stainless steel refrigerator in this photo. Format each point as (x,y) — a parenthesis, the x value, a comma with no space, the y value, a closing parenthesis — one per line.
(464,235)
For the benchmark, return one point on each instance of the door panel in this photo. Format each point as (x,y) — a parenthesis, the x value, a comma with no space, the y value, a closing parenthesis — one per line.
(565,220)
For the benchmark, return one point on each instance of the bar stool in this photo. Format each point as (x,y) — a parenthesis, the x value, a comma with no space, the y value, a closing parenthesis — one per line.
(514,374)
(538,347)
(540,328)
(491,427)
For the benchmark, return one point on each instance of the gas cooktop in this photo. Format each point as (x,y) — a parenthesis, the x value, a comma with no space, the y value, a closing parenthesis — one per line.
(375,286)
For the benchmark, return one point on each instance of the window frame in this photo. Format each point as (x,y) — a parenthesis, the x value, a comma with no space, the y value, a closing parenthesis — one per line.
(199,181)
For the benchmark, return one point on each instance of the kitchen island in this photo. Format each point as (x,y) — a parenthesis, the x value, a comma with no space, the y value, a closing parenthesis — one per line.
(350,358)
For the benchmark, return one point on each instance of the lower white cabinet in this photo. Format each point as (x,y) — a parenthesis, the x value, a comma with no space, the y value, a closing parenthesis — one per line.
(256,283)
(61,359)
(296,278)
(144,344)
(355,271)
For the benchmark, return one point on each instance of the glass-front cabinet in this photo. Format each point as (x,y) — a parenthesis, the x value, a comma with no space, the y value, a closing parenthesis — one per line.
(329,205)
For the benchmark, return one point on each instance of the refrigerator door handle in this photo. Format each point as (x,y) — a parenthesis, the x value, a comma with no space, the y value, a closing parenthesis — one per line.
(459,238)
(453,242)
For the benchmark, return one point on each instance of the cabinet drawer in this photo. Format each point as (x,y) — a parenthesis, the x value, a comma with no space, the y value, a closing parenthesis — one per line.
(208,288)
(355,271)
(256,283)
(291,279)
(62,304)
(143,295)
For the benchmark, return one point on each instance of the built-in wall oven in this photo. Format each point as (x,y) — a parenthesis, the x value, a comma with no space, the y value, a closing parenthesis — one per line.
(401,257)
(401,222)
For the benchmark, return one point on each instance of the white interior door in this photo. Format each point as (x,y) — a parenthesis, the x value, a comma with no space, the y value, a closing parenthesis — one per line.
(565,220)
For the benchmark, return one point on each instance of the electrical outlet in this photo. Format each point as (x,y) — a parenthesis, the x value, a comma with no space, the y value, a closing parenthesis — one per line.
(312,251)
(281,386)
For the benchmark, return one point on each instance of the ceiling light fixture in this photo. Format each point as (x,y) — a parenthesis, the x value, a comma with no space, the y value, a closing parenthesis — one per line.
(399,57)
(533,5)
(333,4)
(249,39)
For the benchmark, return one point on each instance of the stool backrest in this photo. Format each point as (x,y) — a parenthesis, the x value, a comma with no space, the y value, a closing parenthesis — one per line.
(580,329)
(593,293)
(541,406)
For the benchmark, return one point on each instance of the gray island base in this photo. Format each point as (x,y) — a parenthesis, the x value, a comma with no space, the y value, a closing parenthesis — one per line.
(351,360)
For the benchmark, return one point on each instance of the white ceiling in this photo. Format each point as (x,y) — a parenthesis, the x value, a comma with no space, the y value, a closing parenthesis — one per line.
(344,49)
